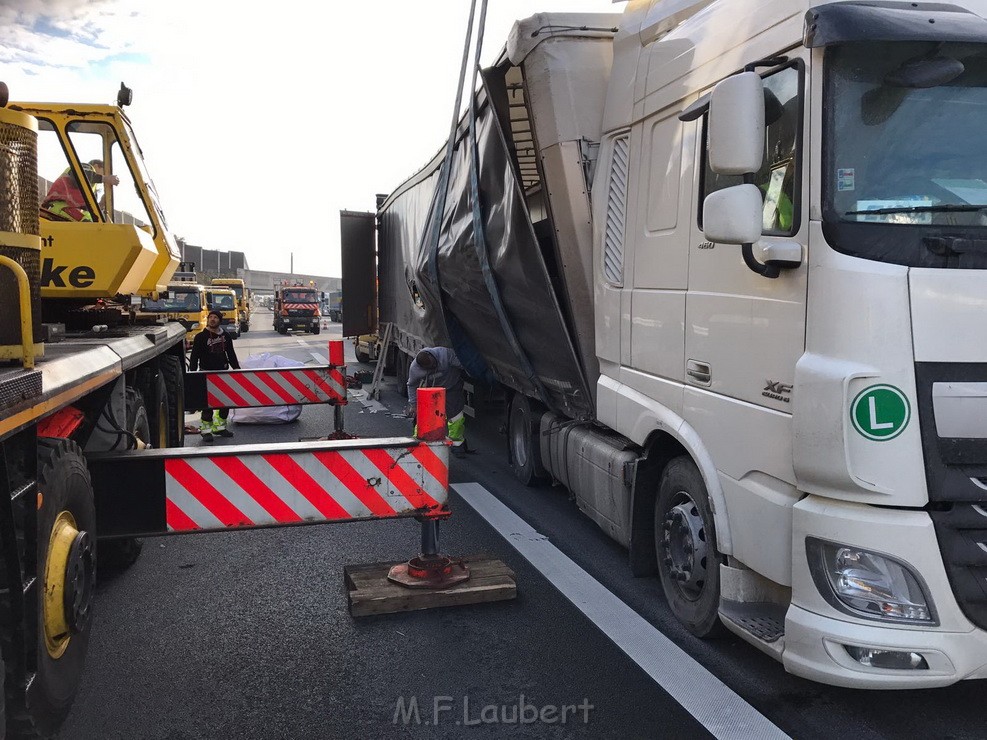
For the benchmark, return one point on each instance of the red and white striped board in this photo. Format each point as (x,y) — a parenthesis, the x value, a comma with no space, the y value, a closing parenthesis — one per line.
(310,306)
(305,483)
(275,387)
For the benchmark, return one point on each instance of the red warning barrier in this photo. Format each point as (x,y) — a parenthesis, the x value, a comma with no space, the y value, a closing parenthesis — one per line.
(274,387)
(292,485)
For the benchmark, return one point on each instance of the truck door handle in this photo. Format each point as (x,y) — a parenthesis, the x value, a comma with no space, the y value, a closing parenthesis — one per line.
(699,371)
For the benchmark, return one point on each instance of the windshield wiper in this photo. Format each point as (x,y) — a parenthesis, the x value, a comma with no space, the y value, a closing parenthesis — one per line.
(942,208)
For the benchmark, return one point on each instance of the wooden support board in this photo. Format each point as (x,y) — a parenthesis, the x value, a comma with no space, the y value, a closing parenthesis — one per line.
(369,591)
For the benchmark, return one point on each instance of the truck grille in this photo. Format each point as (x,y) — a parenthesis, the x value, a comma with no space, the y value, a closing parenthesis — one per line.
(956,476)
(962,534)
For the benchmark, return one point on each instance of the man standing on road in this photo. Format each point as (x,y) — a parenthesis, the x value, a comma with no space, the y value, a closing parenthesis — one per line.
(212,349)
(438,367)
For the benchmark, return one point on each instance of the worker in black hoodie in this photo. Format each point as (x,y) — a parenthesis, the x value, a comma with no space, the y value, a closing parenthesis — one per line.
(212,349)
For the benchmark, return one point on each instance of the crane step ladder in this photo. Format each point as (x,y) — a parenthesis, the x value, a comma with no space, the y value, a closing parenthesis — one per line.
(186,490)
(385,344)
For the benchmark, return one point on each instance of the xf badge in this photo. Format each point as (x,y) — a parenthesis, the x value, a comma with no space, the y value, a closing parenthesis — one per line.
(778,391)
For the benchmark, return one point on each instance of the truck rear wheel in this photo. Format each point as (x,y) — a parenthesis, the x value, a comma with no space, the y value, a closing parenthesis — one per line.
(172,368)
(244,328)
(524,443)
(685,542)
(157,411)
(66,570)
(120,554)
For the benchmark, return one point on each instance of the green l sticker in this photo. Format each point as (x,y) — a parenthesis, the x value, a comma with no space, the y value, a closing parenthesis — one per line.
(880,412)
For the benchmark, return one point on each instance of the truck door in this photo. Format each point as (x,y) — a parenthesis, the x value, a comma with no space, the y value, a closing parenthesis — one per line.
(745,333)
(359,261)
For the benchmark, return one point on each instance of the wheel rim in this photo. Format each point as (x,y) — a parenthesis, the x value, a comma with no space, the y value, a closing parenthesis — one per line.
(519,437)
(68,586)
(684,546)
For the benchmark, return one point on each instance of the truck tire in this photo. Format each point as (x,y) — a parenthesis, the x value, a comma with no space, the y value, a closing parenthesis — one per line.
(523,441)
(120,554)
(156,392)
(244,328)
(66,563)
(685,542)
(316,329)
(363,357)
(172,369)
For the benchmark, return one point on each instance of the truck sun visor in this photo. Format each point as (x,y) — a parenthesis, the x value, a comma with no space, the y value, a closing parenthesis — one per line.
(841,23)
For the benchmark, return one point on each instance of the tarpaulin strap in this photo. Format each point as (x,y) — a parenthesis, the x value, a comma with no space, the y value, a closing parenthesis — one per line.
(467,352)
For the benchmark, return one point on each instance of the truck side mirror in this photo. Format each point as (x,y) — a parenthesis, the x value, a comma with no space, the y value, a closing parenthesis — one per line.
(733,215)
(736,125)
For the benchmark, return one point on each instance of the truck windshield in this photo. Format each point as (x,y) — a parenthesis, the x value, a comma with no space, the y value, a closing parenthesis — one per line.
(175,302)
(222,302)
(298,296)
(906,153)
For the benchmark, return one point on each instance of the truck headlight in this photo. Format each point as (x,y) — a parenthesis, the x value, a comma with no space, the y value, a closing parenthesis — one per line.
(867,584)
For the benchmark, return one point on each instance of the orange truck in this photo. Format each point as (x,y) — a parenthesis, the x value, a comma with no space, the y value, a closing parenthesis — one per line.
(296,307)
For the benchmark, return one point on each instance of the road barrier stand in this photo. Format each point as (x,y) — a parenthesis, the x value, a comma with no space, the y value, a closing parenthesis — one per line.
(187,490)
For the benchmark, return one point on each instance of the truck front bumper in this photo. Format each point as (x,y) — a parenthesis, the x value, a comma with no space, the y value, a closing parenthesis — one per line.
(817,633)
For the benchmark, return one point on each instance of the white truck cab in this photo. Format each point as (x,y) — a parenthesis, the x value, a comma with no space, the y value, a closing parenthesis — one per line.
(790,219)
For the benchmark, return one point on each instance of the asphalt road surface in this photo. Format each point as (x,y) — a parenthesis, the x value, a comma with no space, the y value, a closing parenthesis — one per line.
(247,634)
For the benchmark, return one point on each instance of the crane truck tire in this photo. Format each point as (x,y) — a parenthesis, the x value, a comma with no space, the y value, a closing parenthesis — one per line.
(156,393)
(685,542)
(120,554)
(66,571)
(171,370)
(524,445)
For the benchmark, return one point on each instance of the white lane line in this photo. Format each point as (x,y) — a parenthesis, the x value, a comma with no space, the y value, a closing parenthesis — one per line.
(713,704)
(320,358)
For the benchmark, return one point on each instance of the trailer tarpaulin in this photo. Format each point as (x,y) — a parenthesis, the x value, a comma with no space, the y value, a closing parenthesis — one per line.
(510,314)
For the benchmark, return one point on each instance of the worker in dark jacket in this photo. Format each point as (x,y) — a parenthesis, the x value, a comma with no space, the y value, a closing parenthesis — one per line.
(438,367)
(212,349)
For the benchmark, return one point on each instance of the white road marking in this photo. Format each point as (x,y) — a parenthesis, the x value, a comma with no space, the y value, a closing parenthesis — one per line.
(320,358)
(712,703)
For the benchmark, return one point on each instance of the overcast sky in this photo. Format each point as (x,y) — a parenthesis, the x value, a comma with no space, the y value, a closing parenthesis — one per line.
(260,122)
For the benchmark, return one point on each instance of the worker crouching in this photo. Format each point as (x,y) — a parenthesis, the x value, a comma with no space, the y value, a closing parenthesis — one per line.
(212,349)
(438,367)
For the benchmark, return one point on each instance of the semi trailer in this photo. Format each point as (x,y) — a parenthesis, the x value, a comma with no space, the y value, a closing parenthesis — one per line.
(727,258)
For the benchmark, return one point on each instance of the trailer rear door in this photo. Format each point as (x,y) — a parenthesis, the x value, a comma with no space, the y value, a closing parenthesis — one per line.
(359,257)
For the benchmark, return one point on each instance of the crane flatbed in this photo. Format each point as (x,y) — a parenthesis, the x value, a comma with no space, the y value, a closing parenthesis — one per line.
(74,367)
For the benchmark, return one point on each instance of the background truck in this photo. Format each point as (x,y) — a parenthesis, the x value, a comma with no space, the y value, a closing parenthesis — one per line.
(106,382)
(296,307)
(224,300)
(621,233)
(243,298)
(183,300)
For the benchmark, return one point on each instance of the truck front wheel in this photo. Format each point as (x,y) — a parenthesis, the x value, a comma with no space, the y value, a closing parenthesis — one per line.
(685,542)
(66,568)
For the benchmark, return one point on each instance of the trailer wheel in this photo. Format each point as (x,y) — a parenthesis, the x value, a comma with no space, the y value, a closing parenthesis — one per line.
(685,542)
(66,570)
(172,370)
(524,445)
(120,554)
